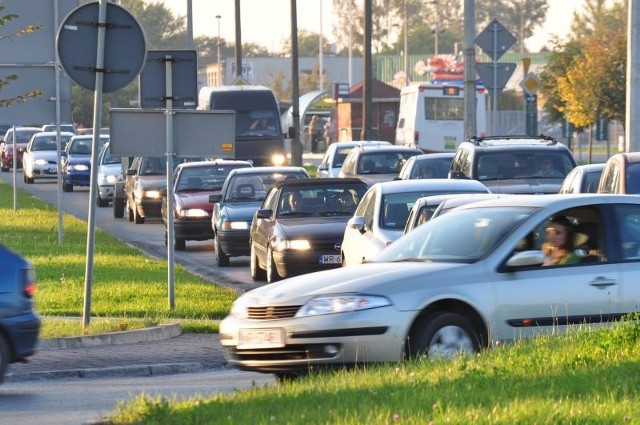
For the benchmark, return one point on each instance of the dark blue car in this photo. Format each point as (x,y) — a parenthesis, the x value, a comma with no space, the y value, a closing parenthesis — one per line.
(19,325)
(240,197)
(76,161)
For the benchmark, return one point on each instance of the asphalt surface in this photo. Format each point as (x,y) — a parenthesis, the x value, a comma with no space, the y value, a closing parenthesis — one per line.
(158,350)
(153,351)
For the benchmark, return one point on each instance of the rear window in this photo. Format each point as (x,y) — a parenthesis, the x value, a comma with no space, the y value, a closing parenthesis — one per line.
(523,165)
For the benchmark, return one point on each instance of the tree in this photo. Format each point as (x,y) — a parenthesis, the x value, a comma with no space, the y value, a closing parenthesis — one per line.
(586,76)
(4,82)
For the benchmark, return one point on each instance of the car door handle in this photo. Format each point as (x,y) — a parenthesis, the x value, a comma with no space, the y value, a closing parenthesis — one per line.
(602,282)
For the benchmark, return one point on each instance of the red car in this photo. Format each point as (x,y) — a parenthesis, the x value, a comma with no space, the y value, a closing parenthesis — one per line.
(23,135)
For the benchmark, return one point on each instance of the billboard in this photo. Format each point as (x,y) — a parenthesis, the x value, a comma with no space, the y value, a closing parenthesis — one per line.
(31,56)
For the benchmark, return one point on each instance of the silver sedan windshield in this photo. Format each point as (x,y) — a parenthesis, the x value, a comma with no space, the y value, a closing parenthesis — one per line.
(459,236)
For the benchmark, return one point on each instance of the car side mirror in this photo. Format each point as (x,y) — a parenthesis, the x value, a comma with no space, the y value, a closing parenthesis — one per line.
(457,175)
(214,199)
(131,172)
(323,166)
(264,213)
(357,222)
(526,258)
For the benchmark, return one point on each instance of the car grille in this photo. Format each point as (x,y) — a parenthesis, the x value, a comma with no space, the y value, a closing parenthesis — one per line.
(270,313)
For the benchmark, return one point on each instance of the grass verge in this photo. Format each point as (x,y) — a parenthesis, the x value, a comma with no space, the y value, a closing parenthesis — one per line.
(585,377)
(129,289)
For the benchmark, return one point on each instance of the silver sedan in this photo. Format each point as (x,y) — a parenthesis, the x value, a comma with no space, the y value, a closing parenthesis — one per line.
(459,283)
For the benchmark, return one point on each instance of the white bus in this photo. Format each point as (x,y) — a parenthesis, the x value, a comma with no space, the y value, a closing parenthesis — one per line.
(431,117)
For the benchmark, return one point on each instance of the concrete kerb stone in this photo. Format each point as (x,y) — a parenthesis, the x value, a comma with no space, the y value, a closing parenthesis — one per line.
(154,333)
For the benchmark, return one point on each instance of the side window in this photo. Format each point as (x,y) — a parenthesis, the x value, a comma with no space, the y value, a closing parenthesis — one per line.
(348,167)
(569,237)
(270,200)
(628,218)
(608,179)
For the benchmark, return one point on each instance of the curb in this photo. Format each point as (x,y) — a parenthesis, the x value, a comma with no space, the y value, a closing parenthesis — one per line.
(155,333)
(109,372)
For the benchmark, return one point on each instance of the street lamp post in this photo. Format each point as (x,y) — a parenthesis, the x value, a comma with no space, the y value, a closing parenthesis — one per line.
(218,46)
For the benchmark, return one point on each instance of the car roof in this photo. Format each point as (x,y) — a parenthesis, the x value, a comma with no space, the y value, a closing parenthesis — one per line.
(89,136)
(426,156)
(52,133)
(268,169)
(630,156)
(194,164)
(317,182)
(560,200)
(457,197)
(591,167)
(386,148)
(397,186)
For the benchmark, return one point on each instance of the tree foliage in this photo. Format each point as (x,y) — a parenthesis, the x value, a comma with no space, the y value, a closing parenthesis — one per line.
(4,82)
(586,77)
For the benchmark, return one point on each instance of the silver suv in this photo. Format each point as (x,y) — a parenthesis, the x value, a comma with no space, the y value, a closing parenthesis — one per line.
(514,164)
(374,164)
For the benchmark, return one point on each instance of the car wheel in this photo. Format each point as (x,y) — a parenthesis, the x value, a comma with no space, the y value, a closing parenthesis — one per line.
(256,272)
(137,218)
(27,179)
(221,258)
(129,212)
(4,357)
(443,335)
(67,187)
(101,202)
(272,272)
(179,244)
(118,207)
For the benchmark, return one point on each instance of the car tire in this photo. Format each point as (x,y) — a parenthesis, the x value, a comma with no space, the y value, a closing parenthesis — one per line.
(101,202)
(443,335)
(179,244)
(118,207)
(4,356)
(67,187)
(272,272)
(129,212)
(221,258)
(137,218)
(27,179)
(257,274)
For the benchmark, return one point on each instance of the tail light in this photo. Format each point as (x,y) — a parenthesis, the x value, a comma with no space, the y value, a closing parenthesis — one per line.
(416,137)
(29,283)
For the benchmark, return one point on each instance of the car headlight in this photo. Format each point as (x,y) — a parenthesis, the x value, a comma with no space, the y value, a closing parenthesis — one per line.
(235,225)
(112,179)
(341,304)
(194,212)
(78,167)
(151,194)
(39,162)
(278,159)
(295,244)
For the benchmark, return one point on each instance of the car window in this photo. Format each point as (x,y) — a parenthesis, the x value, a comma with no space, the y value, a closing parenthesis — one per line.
(629,231)
(632,178)
(339,156)
(333,200)
(460,236)
(150,166)
(44,144)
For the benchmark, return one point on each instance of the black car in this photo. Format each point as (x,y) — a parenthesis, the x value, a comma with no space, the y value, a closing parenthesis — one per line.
(514,164)
(235,205)
(193,183)
(300,224)
(19,324)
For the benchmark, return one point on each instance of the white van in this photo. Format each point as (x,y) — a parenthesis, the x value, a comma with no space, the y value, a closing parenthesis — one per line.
(431,116)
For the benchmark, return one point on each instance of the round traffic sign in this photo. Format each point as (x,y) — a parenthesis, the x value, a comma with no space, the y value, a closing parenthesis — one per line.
(124,46)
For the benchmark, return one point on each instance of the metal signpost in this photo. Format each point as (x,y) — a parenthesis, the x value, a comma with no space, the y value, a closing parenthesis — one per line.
(90,43)
(495,40)
(168,92)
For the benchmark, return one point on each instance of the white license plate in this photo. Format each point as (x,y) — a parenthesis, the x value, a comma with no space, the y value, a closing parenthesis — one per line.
(260,338)
(330,259)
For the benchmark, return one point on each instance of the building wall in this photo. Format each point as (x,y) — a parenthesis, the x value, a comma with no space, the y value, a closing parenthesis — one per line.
(264,71)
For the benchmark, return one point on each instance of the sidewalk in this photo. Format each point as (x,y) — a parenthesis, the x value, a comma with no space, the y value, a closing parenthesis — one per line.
(158,350)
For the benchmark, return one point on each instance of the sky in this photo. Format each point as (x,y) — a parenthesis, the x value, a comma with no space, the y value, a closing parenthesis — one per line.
(268,22)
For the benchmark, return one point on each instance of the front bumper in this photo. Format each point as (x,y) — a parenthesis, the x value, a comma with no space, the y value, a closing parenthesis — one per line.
(195,230)
(105,192)
(45,171)
(149,207)
(77,178)
(333,340)
(234,242)
(293,263)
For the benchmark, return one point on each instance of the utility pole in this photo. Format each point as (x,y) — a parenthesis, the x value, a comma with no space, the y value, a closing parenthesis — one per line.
(470,125)
(296,146)
(238,44)
(218,46)
(367,97)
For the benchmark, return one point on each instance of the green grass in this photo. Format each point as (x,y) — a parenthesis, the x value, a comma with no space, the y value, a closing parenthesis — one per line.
(129,289)
(585,377)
